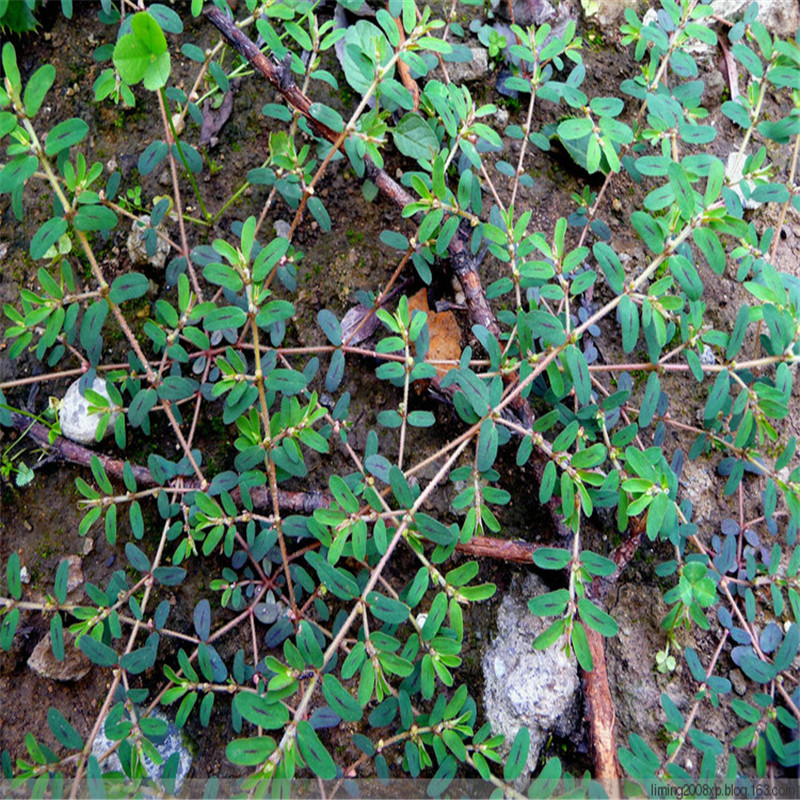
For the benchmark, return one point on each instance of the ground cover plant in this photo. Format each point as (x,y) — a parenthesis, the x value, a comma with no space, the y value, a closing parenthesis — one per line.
(338,635)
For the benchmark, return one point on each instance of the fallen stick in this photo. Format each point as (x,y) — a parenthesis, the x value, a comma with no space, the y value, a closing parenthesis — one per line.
(66,450)
(63,449)
(598,705)
(599,711)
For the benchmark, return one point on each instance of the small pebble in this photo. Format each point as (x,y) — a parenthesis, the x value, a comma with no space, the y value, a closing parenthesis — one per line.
(24,575)
(110,560)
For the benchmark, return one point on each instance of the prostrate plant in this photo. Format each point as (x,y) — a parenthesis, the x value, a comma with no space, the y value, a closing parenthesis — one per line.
(343,634)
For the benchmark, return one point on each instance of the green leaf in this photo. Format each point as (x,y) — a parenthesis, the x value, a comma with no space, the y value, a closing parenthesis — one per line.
(314,753)
(770,193)
(63,731)
(580,374)
(487,445)
(788,649)
(174,388)
(710,246)
(649,230)
(286,381)
(551,557)
(95,218)
(748,59)
(580,643)
(16,172)
(8,629)
(97,652)
(57,637)
(169,576)
(518,755)
(629,322)
(168,19)
(327,116)
(550,635)
(140,406)
(548,327)
(340,700)
(434,530)
(37,87)
(717,396)
(224,317)
(275,310)
(8,122)
(611,266)
(64,135)
(13,576)
(595,618)
(62,575)
(336,580)
(414,138)
(738,332)
(142,55)
(10,67)
(47,235)
(650,400)
(687,276)
(575,128)
(550,604)
(760,671)
(130,286)
(138,661)
(152,156)
(387,609)
(250,752)
(258,710)
(597,565)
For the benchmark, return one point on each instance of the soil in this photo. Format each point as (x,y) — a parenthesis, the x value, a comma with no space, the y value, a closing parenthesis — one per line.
(40,521)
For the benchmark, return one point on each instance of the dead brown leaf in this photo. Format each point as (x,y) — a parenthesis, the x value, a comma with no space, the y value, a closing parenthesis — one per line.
(445,333)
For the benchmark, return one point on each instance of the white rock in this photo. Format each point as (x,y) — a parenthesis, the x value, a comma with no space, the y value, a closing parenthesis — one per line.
(137,246)
(523,686)
(477,68)
(73,414)
(282,228)
(174,741)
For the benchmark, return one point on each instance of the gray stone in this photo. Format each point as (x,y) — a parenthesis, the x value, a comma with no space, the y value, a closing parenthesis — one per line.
(526,12)
(697,483)
(282,228)
(738,682)
(174,741)
(137,245)
(781,17)
(75,575)
(73,414)
(608,14)
(526,687)
(74,666)
(477,68)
